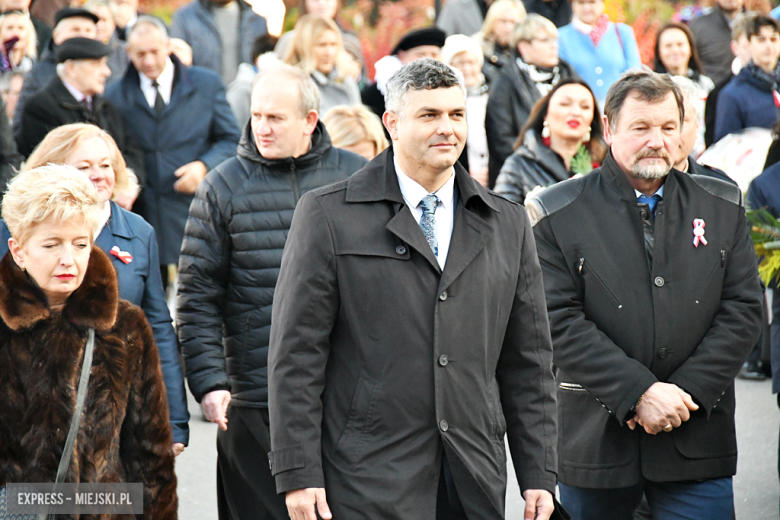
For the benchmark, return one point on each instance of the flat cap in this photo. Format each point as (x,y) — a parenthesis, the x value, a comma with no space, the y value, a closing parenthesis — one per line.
(428,36)
(81,49)
(71,12)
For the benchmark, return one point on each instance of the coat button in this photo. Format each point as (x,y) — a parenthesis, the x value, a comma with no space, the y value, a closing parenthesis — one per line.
(659,282)
(443,296)
(598,70)
(663,353)
(401,250)
(443,360)
(644,214)
(443,426)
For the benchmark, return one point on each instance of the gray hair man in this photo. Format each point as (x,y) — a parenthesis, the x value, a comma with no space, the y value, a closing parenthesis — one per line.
(654,304)
(409,333)
(230,258)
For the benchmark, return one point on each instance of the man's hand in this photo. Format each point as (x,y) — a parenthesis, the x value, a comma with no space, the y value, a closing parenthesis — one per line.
(189,176)
(178,448)
(124,200)
(538,504)
(663,404)
(301,502)
(215,405)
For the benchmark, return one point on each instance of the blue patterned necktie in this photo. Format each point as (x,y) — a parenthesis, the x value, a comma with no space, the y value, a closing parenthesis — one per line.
(428,222)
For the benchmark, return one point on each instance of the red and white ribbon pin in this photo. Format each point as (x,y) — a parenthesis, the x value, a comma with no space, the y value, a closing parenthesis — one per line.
(698,232)
(127,257)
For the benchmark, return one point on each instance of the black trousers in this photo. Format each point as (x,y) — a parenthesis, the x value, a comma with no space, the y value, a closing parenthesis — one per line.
(448,504)
(245,487)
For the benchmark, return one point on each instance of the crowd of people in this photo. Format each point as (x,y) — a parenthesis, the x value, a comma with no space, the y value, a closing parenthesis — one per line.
(379,279)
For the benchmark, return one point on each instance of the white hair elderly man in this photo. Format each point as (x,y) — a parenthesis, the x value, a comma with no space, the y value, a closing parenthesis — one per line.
(410,333)
(230,258)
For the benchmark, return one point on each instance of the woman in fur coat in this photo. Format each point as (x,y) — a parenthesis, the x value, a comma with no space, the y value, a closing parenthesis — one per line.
(54,286)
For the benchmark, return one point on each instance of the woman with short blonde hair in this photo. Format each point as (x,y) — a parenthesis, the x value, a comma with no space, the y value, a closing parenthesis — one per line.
(495,37)
(318,50)
(60,143)
(127,238)
(356,129)
(64,327)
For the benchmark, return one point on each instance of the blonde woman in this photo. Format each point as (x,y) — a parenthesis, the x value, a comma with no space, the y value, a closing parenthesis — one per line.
(495,38)
(19,56)
(317,49)
(129,241)
(356,129)
(59,305)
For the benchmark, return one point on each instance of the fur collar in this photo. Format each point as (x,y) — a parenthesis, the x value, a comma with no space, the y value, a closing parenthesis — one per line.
(94,304)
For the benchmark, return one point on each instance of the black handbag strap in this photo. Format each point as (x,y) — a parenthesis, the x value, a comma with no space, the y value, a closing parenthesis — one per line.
(81,396)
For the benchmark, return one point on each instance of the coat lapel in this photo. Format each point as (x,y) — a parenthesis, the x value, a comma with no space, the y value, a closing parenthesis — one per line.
(408,230)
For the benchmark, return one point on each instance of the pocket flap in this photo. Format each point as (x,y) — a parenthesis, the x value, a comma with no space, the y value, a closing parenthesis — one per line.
(286,459)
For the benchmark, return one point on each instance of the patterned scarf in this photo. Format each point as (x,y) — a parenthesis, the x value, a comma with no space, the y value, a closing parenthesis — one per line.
(769,78)
(599,29)
(544,79)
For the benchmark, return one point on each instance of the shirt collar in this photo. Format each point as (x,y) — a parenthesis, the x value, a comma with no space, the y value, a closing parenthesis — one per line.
(165,80)
(581,26)
(660,193)
(76,93)
(414,193)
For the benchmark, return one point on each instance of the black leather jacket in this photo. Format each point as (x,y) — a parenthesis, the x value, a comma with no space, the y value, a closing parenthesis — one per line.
(531,165)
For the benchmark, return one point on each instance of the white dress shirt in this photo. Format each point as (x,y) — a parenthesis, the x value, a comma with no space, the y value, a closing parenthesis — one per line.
(76,93)
(444,215)
(165,80)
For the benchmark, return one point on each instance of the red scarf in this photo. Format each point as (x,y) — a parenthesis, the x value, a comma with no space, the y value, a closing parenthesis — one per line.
(599,29)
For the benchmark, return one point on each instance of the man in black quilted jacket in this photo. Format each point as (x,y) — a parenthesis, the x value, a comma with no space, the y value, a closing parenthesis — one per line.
(230,259)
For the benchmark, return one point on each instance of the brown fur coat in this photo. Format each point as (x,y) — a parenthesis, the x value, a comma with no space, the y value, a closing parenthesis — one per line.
(125,435)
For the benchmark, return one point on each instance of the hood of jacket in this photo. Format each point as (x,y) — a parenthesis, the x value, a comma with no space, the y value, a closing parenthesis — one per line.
(320,143)
(94,304)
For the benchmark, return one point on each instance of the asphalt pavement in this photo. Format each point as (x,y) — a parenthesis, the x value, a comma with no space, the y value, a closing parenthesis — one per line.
(756,489)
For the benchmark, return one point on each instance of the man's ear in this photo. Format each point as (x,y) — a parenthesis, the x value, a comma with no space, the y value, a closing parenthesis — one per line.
(311,122)
(607,130)
(390,120)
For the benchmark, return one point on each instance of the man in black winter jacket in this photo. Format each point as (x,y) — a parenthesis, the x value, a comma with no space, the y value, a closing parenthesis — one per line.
(230,259)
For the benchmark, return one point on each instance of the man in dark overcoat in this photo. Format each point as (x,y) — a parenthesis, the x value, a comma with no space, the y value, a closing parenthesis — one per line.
(181,119)
(74,95)
(654,304)
(409,333)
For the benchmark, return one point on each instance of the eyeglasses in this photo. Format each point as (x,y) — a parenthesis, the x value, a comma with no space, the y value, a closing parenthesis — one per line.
(545,41)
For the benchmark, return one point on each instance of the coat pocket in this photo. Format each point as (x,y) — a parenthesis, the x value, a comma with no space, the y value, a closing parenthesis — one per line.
(352,440)
(719,267)
(586,271)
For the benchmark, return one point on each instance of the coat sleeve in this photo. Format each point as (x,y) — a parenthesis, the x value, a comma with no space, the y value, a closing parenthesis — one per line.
(630,47)
(508,184)
(35,124)
(305,307)
(145,445)
(728,118)
(156,310)
(10,159)
(203,277)
(526,380)
(224,133)
(712,367)
(582,351)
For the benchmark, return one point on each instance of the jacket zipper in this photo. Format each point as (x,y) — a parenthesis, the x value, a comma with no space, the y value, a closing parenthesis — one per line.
(596,275)
(294,182)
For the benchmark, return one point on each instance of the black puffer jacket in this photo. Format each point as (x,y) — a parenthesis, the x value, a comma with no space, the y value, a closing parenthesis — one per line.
(512,97)
(532,165)
(230,259)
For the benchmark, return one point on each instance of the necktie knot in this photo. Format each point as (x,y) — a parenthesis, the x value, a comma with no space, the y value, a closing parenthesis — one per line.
(650,201)
(429,203)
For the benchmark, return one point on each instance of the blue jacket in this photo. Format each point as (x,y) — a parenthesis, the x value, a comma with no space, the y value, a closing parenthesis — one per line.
(196,125)
(140,284)
(764,192)
(745,102)
(194,24)
(600,66)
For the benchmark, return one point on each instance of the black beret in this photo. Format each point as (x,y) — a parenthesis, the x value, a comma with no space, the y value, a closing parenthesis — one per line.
(427,36)
(81,49)
(70,12)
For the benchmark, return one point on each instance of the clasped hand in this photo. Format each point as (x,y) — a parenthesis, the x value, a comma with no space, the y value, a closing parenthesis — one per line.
(662,405)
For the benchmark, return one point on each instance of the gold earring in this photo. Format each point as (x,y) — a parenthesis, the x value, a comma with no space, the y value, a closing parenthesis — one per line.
(586,137)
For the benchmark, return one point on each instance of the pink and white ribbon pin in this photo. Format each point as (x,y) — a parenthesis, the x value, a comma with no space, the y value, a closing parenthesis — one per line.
(125,256)
(698,232)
